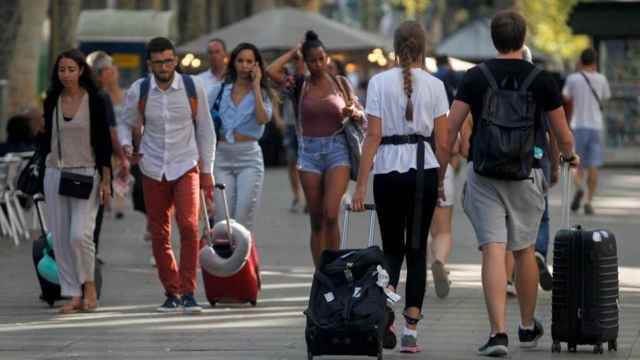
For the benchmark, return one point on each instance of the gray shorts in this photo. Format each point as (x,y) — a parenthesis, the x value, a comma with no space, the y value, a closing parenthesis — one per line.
(504,211)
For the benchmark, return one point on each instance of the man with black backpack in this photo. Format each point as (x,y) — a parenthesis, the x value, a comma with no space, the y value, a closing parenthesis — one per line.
(178,144)
(504,193)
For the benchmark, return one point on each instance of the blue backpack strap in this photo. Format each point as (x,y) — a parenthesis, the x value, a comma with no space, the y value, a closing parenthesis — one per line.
(192,96)
(144,94)
(215,111)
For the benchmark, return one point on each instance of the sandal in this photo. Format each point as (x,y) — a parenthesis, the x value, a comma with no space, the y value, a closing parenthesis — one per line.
(71,308)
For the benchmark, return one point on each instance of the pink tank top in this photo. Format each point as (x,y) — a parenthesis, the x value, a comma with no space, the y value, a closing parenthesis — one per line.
(321,116)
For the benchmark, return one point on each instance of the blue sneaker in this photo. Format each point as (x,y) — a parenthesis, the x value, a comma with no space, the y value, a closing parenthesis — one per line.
(190,305)
(529,338)
(171,305)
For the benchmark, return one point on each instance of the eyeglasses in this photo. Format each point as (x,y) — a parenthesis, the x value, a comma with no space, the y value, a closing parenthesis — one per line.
(163,62)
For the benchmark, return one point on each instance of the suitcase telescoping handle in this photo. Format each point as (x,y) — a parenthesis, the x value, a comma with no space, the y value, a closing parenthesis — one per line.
(565,175)
(371,208)
(38,199)
(205,213)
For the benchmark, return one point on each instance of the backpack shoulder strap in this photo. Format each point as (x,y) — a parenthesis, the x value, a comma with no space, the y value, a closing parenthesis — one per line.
(192,96)
(144,94)
(492,80)
(530,78)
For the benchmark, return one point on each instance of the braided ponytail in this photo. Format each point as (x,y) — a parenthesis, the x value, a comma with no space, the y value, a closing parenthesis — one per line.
(409,44)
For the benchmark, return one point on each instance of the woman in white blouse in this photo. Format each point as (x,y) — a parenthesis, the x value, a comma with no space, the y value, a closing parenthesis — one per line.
(407,112)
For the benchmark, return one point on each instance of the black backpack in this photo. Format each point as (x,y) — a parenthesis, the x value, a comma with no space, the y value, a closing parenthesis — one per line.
(506,133)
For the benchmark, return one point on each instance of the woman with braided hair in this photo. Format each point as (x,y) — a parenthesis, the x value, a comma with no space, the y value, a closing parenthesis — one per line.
(407,117)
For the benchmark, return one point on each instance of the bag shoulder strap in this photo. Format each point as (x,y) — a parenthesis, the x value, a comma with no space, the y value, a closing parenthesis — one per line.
(593,91)
(58,133)
(144,94)
(192,95)
(487,74)
(216,103)
(530,78)
(303,90)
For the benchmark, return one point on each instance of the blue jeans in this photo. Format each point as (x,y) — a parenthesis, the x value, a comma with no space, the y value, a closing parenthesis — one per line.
(240,167)
(542,242)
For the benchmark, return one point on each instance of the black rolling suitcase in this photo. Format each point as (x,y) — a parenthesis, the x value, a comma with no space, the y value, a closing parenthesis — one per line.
(585,284)
(346,313)
(51,292)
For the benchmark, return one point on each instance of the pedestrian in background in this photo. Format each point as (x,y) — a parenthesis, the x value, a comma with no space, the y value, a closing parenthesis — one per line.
(176,154)
(217,52)
(407,115)
(587,90)
(245,106)
(76,141)
(107,75)
(323,157)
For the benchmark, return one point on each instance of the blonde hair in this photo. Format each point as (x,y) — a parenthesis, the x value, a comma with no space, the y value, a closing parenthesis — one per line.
(409,44)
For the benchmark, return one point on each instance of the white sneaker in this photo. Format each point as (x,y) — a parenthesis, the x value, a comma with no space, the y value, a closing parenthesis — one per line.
(511,289)
(152,261)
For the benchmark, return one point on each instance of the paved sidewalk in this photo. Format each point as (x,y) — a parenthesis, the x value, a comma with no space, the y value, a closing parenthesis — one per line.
(127,327)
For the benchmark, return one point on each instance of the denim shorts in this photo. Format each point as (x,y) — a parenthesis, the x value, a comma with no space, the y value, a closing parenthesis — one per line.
(588,147)
(319,154)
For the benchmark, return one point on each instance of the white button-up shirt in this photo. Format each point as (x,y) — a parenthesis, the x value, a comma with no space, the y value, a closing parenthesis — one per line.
(209,80)
(170,144)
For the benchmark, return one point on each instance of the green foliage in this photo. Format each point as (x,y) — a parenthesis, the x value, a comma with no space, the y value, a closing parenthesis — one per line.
(411,7)
(549,32)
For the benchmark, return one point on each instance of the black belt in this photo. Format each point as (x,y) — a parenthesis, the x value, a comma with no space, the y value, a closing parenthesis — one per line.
(417,209)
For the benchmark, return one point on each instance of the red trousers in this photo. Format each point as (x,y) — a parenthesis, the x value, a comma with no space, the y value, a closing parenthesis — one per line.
(160,198)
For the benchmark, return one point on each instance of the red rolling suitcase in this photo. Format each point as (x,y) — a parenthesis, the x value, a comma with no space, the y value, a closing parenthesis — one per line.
(585,284)
(241,287)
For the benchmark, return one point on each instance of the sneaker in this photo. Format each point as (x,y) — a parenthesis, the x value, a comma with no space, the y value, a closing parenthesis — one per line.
(546,281)
(529,338)
(389,340)
(498,345)
(171,305)
(190,305)
(577,198)
(511,289)
(152,261)
(409,344)
(440,279)
(588,209)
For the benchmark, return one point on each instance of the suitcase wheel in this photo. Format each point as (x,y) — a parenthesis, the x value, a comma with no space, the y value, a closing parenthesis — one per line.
(556,347)
(253,303)
(597,349)
(213,303)
(612,345)
(572,348)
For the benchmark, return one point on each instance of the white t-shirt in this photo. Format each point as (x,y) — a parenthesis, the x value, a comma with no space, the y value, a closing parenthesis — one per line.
(586,112)
(386,100)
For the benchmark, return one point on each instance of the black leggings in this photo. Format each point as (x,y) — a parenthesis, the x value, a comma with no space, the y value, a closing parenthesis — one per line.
(394,194)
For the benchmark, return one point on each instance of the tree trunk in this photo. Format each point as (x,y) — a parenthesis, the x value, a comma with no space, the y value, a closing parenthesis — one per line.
(23,74)
(214,12)
(149,5)
(10,19)
(191,19)
(435,30)
(64,20)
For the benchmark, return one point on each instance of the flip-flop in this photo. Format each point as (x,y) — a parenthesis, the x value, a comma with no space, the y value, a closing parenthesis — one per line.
(70,308)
